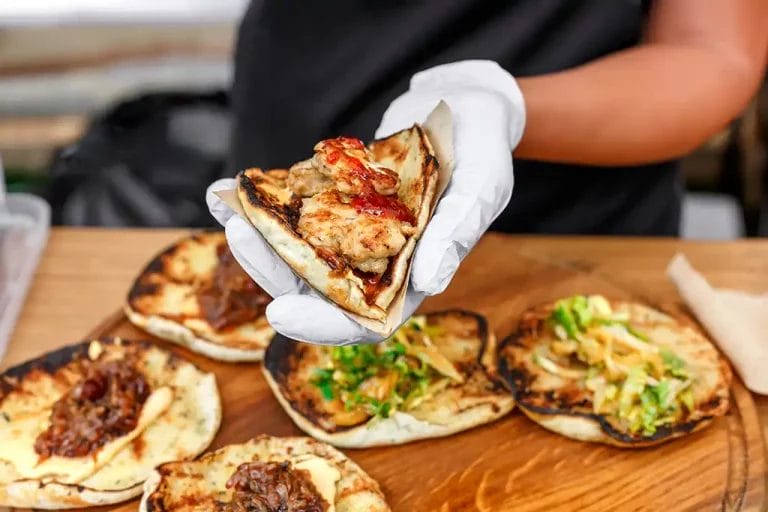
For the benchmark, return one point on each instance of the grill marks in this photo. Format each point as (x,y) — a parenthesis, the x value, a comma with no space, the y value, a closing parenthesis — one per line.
(465,341)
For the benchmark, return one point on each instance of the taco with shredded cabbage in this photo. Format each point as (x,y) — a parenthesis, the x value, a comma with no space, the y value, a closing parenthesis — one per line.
(614,372)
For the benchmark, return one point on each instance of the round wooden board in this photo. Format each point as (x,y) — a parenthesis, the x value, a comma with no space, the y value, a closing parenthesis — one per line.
(513,464)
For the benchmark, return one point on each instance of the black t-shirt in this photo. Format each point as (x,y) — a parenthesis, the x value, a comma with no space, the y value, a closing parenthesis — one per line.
(308,70)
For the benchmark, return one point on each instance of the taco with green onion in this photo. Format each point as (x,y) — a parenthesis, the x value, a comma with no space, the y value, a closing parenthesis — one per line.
(614,372)
(433,377)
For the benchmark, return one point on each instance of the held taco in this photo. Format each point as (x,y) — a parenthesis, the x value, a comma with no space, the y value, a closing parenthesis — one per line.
(614,372)
(434,377)
(348,219)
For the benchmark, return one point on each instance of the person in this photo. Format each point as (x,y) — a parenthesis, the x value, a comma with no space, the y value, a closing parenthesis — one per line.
(595,99)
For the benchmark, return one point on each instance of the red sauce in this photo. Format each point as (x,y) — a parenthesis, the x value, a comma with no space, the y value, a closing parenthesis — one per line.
(345,151)
(339,147)
(378,205)
(333,156)
(352,142)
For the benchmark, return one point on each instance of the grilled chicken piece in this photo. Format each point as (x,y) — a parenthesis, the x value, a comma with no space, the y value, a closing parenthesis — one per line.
(306,180)
(365,241)
(350,165)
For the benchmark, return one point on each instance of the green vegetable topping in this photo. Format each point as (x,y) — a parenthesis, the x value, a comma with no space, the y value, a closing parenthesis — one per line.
(377,378)
(641,384)
(563,316)
(323,379)
(656,404)
(650,411)
(581,312)
(673,364)
(637,334)
(632,388)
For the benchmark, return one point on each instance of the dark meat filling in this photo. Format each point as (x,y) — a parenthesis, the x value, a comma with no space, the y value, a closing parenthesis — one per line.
(373,283)
(272,487)
(231,298)
(104,405)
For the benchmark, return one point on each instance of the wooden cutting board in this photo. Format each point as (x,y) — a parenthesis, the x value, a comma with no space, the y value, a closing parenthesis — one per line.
(513,464)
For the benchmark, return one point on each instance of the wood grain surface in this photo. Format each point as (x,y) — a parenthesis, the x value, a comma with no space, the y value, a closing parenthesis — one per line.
(511,464)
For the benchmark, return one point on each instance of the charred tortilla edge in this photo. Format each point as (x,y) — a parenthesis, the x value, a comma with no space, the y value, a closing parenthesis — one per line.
(155,266)
(51,362)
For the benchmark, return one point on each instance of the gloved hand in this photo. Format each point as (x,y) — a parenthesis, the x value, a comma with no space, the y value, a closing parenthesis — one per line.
(488,120)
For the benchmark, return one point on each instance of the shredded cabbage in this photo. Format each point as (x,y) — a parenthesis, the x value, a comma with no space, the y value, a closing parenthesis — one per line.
(645,386)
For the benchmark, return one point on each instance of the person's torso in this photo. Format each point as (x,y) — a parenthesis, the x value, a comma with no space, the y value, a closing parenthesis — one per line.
(311,70)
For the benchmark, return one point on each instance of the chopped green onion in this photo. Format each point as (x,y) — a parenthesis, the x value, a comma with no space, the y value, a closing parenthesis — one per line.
(637,334)
(352,365)
(581,312)
(564,317)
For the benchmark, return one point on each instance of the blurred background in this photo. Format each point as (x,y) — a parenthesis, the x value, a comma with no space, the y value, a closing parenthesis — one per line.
(133,95)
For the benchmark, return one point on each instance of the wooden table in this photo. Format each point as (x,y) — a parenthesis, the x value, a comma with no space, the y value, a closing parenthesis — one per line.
(85,274)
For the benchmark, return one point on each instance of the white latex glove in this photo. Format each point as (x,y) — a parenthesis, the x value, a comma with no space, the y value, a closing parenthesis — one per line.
(488,120)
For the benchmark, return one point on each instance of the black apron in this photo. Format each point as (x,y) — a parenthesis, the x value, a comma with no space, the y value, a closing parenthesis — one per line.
(308,70)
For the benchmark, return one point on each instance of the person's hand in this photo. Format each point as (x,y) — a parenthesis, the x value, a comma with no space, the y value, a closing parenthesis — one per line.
(488,120)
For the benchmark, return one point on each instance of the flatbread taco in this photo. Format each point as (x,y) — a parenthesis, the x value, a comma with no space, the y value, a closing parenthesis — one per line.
(265,473)
(86,424)
(614,372)
(348,219)
(434,377)
(194,293)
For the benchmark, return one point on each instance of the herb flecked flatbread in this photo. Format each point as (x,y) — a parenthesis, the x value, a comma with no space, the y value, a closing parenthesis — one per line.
(85,425)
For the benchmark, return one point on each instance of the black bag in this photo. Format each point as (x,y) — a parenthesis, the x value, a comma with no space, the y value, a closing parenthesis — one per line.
(146,162)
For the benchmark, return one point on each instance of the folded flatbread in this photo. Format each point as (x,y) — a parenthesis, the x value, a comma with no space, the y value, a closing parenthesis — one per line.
(348,219)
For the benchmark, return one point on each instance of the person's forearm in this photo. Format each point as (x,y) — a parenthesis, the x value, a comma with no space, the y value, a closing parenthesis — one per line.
(650,103)
(629,108)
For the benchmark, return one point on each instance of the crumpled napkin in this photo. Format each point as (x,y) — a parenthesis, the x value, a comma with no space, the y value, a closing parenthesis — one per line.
(738,321)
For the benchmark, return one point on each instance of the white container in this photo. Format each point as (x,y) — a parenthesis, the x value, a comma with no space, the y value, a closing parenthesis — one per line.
(24,226)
